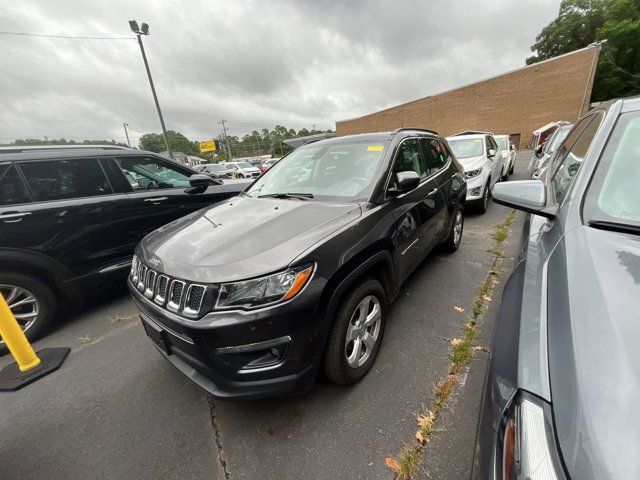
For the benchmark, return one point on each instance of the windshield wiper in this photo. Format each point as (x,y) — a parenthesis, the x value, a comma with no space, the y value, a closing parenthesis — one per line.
(299,196)
(615,226)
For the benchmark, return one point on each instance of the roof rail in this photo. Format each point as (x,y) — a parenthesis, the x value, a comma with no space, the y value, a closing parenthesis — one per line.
(35,148)
(403,129)
(472,132)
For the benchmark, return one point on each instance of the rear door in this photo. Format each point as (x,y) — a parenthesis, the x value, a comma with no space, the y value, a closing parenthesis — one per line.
(437,159)
(158,193)
(74,214)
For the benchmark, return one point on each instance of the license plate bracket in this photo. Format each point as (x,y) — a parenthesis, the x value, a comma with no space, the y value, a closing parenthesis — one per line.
(157,335)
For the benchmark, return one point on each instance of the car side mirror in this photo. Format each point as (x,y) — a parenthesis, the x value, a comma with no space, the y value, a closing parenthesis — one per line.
(526,195)
(199,183)
(491,153)
(405,182)
(538,151)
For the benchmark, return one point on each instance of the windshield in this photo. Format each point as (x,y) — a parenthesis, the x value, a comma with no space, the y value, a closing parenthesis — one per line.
(469,147)
(244,165)
(614,195)
(345,171)
(502,143)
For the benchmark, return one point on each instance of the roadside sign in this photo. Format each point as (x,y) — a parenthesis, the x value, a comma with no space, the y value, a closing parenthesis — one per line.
(209,146)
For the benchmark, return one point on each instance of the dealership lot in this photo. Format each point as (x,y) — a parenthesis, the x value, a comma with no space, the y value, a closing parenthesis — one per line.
(117,410)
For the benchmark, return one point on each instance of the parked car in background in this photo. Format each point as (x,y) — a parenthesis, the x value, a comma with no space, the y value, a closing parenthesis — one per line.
(215,170)
(483,163)
(254,296)
(243,169)
(260,165)
(70,219)
(508,154)
(562,388)
(544,152)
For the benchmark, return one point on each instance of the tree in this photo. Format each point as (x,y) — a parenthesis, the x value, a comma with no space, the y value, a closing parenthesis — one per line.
(615,24)
(154,142)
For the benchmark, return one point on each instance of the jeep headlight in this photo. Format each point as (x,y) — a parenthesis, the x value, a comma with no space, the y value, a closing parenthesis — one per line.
(526,445)
(259,292)
(473,173)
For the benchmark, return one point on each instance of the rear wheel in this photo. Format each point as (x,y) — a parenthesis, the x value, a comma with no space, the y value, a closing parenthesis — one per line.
(452,242)
(356,334)
(31,301)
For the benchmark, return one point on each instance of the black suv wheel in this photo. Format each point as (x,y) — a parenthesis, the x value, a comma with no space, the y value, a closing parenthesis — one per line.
(452,242)
(357,332)
(31,301)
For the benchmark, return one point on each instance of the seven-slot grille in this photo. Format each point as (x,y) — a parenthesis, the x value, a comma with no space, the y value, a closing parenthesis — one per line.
(175,295)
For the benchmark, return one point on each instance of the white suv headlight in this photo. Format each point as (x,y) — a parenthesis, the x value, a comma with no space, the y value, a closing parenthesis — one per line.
(473,173)
(259,292)
(526,444)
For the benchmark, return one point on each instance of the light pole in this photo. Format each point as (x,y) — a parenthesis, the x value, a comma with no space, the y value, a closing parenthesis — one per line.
(139,31)
(125,125)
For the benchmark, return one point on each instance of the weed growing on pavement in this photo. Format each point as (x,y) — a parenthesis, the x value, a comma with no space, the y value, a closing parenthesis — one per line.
(462,349)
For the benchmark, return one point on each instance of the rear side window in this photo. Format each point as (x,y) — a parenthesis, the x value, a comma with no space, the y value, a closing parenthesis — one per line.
(410,158)
(12,188)
(568,168)
(61,179)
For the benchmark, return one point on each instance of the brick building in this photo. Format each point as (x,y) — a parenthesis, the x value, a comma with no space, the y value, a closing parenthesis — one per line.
(517,102)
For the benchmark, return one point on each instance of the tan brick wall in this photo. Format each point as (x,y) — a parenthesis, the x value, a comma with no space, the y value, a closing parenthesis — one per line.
(516,103)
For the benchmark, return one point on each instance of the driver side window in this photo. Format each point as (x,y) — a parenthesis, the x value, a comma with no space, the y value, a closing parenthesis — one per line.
(146,173)
(409,158)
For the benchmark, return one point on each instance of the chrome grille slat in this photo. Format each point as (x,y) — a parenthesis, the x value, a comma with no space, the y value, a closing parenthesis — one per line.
(177,296)
(161,289)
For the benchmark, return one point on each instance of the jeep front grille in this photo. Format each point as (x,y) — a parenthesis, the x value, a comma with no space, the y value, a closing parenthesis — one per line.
(175,295)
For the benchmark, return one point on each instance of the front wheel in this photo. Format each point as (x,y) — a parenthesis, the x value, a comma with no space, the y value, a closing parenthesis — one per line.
(31,301)
(483,203)
(356,334)
(241,175)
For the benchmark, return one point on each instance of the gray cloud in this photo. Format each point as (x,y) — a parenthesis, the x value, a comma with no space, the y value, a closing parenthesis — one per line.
(254,63)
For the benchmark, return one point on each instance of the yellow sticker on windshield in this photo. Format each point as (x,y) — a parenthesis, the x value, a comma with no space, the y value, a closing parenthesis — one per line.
(478,140)
(375,148)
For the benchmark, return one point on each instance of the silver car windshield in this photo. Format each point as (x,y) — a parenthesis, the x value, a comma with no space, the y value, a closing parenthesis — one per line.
(468,147)
(614,195)
(345,171)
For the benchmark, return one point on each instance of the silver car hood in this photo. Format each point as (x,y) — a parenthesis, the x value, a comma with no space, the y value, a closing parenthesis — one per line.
(594,352)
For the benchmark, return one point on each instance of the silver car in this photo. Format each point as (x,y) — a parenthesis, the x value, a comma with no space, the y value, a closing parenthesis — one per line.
(562,392)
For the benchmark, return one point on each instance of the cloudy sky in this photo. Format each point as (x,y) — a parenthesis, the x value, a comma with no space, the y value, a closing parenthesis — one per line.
(253,63)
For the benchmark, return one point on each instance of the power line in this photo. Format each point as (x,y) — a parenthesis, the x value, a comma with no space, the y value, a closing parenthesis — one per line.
(74,37)
(617,67)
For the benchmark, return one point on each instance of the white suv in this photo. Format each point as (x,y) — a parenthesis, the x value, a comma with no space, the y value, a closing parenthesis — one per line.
(508,153)
(243,169)
(482,161)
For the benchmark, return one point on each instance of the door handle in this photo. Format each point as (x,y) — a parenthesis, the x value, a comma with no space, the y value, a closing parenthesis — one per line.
(156,199)
(13,217)
(432,193)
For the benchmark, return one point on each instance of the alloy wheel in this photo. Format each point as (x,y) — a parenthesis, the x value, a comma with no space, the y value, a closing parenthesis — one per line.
(363,331)
(23,304)
(485,197)
(457,228)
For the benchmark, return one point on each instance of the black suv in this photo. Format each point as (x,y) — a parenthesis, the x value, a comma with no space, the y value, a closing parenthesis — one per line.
(251,297)
(71,217)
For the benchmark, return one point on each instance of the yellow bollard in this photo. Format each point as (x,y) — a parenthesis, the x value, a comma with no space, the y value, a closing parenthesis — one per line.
(15,339)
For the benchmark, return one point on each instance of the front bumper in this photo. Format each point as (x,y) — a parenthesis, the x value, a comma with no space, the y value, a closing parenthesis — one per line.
(241,354)
(475,187)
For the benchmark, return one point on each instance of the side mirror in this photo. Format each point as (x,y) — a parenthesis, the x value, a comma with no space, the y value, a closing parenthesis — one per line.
(199,183)
(405,182)
(538,151)
(526,195)
(491,153)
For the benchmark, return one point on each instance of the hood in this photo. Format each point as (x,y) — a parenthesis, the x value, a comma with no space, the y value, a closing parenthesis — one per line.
(472,163)
(594,352)
(243,237)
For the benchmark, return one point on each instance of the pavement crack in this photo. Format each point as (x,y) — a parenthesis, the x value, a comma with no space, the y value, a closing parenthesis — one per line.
(216,433)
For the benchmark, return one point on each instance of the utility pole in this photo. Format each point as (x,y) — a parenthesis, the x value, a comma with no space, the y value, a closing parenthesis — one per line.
(226,138)
(144,30)
(125,125)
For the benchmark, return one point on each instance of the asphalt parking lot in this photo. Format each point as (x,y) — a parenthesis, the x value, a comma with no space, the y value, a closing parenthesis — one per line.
(117,410)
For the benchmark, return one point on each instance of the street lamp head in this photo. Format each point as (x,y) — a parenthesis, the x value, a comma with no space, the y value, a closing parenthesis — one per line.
(134,26)
(145,29)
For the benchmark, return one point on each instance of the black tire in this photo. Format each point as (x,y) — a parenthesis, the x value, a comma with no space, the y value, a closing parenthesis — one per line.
(512,168)
(483,203)
(505,177)
(336,366)
(47,304)
(241,175)
(452,243)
